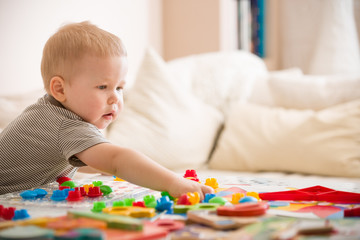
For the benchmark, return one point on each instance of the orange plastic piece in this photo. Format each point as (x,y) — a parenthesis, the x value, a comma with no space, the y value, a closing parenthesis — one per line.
(194,198)
(243,209)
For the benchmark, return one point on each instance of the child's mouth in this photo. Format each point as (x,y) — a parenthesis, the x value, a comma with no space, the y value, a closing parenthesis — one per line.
(108,116)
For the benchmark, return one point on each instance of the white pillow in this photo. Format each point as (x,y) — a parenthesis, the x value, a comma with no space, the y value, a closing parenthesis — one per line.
(313,92)
(261,93)
(258,138)
(219,78)
(164,121)
(11,106)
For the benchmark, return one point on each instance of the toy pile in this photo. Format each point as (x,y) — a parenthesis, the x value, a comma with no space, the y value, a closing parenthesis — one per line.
(239,215)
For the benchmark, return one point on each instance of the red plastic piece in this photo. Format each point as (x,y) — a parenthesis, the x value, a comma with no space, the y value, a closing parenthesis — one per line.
(63,187)
(1,209)
(139,204)
(243,209)
(316,193)
(74,196)
(82,191)
(183,200)
(352,212)
(8,213)
(94,192)
(191,174)
(60,180)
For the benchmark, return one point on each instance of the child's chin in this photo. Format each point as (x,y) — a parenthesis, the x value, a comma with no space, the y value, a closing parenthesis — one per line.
(102,126)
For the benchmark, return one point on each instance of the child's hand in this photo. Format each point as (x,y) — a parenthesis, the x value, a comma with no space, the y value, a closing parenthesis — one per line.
(183,186)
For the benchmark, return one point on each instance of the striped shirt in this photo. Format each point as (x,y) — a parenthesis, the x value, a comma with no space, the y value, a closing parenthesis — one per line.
(39,145)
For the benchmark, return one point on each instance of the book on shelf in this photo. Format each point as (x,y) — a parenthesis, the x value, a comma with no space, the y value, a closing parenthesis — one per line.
(251,26)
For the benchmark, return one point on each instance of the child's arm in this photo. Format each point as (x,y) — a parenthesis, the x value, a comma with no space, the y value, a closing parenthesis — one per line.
(90,170)
(137,168)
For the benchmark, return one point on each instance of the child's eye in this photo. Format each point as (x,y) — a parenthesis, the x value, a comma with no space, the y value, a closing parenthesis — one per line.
(119,89)
(102,87)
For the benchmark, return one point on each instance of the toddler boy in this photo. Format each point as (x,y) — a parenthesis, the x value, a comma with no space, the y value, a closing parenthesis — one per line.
(84,72)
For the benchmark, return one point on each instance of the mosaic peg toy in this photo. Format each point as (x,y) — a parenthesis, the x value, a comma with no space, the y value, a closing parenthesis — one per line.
(212,182)
(191,174)
(194,197)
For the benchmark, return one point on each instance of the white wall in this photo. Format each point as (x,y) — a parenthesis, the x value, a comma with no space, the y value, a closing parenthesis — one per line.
(26,25)
(320,37)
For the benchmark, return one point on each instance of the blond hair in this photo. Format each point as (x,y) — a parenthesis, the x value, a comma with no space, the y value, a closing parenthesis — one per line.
(70,43)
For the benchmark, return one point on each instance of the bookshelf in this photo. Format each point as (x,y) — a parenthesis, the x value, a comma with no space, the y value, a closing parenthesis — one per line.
(194,27)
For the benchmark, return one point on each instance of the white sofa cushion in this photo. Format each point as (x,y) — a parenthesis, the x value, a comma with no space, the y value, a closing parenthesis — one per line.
(163,120)
(11,106)
(259,138)
(219,78)
(313,92)
(262,94)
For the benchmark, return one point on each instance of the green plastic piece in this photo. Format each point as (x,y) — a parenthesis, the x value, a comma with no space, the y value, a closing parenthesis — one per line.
(112,221)
(219,200)
(98,206)
(150,201)
(128,202)
(206,206)
(118,203)
(182,208)
(97,183)
(163,194)
(106,190)
(70,184)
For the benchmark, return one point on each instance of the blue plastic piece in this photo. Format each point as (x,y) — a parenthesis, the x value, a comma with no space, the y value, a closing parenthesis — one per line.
(248,199)
(81,234)
(40,192)
(28,195)
(59,195)
(164,204)
(208,196)
(278,204)
(21,214)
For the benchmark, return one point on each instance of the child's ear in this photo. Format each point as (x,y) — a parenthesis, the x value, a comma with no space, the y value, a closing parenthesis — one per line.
(57,88)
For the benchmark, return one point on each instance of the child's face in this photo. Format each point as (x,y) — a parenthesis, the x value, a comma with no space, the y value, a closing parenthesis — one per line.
(95,90)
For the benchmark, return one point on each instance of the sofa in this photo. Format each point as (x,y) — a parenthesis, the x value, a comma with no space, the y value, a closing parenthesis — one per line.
(224,114)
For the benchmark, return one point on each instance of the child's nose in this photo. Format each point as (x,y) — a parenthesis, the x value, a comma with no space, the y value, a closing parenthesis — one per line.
(115,98)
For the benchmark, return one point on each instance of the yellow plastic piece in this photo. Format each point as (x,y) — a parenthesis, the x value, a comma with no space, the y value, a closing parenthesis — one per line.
(212,182)
(119,179)
(136,212)
(87,186)
(253,194)
(236,198)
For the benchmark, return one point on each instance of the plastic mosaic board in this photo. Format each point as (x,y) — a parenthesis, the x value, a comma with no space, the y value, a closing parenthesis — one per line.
(121,190)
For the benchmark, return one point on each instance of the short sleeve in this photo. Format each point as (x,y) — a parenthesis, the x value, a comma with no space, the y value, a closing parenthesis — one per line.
(76,136)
